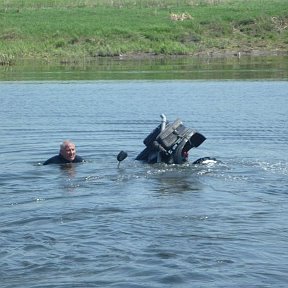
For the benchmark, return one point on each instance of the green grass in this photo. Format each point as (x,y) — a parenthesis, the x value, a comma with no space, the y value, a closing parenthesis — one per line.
(73,29)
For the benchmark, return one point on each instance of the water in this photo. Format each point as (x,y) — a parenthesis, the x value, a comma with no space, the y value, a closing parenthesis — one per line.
(179,68)
(93,225)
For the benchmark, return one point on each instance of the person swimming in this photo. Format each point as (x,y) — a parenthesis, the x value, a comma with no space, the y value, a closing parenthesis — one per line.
(67,154)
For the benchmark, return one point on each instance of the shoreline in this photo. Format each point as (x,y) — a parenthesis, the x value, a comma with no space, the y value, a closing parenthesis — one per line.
(204,54)
(211,54)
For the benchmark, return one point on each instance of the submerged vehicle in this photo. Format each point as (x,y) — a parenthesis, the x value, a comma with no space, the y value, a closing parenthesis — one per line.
(170,143)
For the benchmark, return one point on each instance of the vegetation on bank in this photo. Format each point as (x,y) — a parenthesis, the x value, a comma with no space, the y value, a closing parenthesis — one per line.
(70,30)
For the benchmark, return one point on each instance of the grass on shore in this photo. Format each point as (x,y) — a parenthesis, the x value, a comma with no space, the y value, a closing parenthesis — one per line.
(73,29)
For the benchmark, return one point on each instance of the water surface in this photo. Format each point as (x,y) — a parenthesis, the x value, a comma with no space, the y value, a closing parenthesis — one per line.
(170,68)
(96,225)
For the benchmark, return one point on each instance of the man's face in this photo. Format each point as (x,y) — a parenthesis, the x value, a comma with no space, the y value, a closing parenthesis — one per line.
(69,152)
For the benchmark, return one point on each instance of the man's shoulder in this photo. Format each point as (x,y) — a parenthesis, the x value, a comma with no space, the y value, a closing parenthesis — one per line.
(58,159)
(78,159)
(53,160)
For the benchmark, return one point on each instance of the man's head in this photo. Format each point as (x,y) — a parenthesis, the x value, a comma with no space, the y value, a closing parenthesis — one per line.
(68,150)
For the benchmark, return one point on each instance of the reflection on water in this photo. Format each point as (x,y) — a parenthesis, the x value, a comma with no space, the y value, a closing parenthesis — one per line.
(274,67)
(170,183)
(68,169)
(175,178)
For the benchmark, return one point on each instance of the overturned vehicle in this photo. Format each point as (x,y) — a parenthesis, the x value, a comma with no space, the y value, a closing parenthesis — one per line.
(170,143)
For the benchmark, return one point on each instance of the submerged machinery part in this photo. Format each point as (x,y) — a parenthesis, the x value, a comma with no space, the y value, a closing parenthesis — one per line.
(170,143)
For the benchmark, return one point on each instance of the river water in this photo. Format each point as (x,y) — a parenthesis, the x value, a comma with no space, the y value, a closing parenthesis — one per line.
(220,224)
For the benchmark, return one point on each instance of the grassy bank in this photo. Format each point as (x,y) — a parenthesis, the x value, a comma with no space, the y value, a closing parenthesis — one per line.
(70,30)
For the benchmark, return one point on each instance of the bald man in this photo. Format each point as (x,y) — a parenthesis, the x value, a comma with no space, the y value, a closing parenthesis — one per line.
(67,154)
